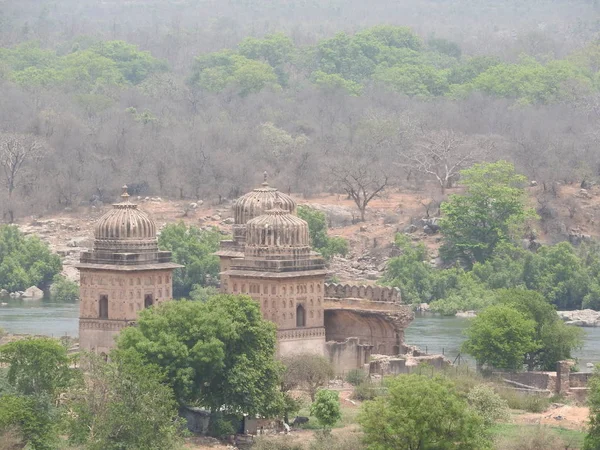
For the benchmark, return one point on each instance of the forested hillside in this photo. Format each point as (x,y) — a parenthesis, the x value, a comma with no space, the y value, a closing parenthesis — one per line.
(194,99)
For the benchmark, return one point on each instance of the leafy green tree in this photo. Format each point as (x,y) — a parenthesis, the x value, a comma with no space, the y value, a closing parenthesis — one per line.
(25,260)
(421,413)
(216,71)
(529,81)
(308,371)
(326,408)
(559,274)
(37,366)
(592,439)
(414,80)
(488,404)
(125,404)
(334,82)
(219,354)
(489,212)
(410,272)
(321,242)
(64,290)
(500,337)
(194,249)
(38,370)
(134,65)
(31,419)
(555,340)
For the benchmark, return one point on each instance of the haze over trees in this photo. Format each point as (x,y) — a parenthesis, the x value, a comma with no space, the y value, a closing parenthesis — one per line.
(185,100)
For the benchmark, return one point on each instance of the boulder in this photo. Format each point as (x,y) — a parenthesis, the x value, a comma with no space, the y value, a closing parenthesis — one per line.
(79,242)
(33,293)
(581,318)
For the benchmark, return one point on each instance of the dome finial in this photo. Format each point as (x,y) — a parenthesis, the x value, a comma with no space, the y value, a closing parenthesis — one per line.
(124,194)
(265,176)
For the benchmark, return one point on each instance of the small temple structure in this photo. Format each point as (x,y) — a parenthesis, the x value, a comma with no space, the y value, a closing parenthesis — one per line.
(124,273)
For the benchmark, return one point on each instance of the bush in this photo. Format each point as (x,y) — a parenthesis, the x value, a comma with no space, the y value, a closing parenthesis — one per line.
(64,290)
(355,377)
(364,391)
(489,405)
(524,401)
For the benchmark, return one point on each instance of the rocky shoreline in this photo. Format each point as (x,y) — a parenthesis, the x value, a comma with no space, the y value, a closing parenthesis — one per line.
(581,318)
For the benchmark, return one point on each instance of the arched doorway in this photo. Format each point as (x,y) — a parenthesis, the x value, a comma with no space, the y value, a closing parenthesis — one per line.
(300,316)
(148,301)
(103,307)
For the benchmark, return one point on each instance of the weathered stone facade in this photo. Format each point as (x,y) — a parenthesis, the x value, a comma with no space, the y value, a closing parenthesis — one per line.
(123,274)
(270,259)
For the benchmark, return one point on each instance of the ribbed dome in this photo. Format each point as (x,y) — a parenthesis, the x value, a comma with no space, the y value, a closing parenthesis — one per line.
(261,199)
(125,228)
(277,228)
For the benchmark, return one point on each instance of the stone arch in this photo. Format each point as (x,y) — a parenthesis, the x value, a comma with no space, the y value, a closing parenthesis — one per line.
(148,300)
(103,307)
(300,316)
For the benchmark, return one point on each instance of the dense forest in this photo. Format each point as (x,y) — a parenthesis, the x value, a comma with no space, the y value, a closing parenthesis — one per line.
(195,99)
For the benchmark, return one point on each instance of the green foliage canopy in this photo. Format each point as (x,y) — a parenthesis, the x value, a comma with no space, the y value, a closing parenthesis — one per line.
(592,439)
(25,260)
(486,215)
(64,290)
(321,242)
(500,337)
(193,248)
(326,408)
(218,353)
(421,413)
(125,405)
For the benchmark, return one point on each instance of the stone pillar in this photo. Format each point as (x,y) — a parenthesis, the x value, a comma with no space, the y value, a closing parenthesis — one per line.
(563,371)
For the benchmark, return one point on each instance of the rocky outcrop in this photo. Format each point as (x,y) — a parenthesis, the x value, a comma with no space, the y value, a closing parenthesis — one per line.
(581,318)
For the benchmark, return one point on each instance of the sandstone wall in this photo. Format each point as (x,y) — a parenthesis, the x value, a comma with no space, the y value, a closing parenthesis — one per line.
(301,340)
(348,355)
(372,329)
(372,293)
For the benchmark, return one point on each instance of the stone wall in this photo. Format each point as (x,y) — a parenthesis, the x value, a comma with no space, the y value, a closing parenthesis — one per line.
(409,364)
(563,381)
(544,381)
(372,328)
(372,293)
(301,340)
(348,355)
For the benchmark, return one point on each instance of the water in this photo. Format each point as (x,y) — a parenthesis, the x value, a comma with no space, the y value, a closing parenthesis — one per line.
(437,334)
(440,334)
(45,317)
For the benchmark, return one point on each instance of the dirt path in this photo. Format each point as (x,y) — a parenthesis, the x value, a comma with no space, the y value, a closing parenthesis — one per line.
(565,416)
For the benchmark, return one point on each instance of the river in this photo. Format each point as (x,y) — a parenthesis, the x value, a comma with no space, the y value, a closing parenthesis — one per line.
(433,333)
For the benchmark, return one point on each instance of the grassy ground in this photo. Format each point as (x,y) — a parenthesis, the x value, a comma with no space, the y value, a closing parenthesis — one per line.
(506,434)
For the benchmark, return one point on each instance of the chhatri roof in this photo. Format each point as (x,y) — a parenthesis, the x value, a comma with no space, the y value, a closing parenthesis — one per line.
(258,201)
(277,227)
(125,225)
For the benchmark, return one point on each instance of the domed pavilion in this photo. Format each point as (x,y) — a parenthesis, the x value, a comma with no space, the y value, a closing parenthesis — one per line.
(122,274)
(247,207)
(277,268)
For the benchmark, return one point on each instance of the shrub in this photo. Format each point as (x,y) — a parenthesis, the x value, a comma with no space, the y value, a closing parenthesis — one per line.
(535,403)
(364,391)
(355,377)
(64,290)
(488,404)
(326,408)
